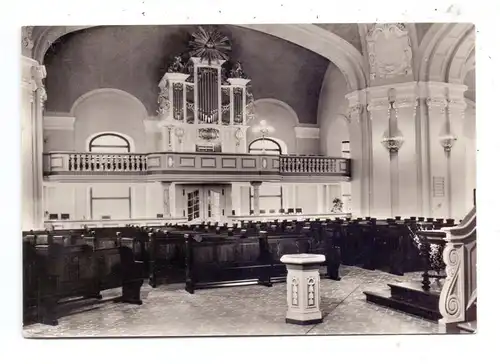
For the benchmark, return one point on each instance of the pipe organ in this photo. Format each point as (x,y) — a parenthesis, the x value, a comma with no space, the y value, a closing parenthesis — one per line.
(205,103)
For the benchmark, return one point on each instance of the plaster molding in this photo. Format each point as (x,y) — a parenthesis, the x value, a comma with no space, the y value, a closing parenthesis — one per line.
(307,132)
(281,104)
(384,64)
(58,122)
(114,91)
(439,48)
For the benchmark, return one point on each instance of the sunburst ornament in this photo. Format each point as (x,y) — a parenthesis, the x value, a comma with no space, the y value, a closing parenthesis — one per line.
(210,45)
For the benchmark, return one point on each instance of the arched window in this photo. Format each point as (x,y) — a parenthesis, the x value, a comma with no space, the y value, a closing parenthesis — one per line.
(264,145)
(271,194)
(109,143)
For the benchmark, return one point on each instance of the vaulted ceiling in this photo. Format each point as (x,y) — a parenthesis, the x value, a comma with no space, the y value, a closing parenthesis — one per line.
(134,58)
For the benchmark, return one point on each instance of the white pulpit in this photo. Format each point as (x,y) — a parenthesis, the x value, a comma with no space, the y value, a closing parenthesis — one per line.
(303,291)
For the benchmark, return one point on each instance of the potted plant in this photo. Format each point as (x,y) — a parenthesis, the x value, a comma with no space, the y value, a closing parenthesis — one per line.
(338,205)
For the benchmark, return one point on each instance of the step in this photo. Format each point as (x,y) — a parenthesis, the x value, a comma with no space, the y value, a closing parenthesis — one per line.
(385,299)
(468,327)
(412,292)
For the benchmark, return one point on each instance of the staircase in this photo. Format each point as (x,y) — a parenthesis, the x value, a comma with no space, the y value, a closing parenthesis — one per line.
(410,298)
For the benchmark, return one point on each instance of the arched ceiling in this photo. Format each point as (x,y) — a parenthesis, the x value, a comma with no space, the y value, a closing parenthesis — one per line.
(134,58)
(349,32)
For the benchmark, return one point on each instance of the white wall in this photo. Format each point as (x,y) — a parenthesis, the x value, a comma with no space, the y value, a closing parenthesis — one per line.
(74,198)
(278,115)
(109,111)
(332,108)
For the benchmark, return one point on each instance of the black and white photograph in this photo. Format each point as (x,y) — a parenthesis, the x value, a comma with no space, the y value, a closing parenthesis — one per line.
(248,179)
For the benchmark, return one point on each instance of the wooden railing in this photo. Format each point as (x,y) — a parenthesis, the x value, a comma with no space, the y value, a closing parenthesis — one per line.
(312,164)
(457,302)
(87,162)
(179,165)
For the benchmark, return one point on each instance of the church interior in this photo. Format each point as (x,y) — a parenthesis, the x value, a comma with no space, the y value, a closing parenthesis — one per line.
(286,179)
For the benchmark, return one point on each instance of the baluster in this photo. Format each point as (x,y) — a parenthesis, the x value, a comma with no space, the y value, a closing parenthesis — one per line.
(126,166)
(137,163)
(120,162)
(71,161)
(92,162)
(426,253)
(78,162)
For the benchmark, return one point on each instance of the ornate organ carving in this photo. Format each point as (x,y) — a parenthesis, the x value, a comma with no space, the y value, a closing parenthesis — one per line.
(207,89)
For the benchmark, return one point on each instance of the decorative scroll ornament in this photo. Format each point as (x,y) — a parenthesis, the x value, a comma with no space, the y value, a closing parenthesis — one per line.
(389,51)
(27,41)
(210,45)
(208,134)
(393,141)
(237,71)
(452,288)
(177,66)
(355,113)
(238,135)
(163,101)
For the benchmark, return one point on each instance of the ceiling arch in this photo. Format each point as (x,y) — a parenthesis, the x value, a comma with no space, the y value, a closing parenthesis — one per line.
(444,52)
(331,46)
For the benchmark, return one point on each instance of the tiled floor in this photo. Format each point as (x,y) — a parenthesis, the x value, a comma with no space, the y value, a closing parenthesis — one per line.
(250,310)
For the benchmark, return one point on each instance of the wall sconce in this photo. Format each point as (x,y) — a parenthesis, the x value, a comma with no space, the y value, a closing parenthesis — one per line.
(264,130)
(394,142)
(447,141)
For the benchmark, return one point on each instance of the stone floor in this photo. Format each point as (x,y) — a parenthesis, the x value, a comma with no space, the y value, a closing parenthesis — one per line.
(235,311)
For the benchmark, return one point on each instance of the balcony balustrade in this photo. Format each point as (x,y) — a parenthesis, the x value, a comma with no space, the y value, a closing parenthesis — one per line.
(195,166)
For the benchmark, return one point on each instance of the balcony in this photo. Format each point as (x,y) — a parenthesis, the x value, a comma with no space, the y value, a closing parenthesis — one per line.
(186,167)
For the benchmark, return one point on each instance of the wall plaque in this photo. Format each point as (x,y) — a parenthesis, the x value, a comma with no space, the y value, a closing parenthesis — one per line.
(438,186)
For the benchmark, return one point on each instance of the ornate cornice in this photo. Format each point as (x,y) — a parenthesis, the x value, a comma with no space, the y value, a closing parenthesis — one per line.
(437,103)
(58,122)
(307,133)
(378,105)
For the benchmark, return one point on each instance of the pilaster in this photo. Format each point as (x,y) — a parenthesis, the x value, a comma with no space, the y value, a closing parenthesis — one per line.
(166,187)
(407,166)
(32,103)
(438,162)
(379,110)
(361,154)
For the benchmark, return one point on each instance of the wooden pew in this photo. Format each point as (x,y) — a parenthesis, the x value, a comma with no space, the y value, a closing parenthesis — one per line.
(61,267)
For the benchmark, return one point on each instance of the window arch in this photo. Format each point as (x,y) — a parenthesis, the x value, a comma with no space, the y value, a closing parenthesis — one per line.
(109,143)
(265,145)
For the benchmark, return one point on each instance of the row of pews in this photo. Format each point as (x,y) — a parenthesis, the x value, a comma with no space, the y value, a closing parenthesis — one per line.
(64,264)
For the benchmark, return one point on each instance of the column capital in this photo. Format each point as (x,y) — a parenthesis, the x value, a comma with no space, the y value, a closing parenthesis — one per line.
(166,183)
(256,183)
